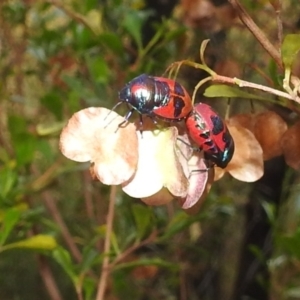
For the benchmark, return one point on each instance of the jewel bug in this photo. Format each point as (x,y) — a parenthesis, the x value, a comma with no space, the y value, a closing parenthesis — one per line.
(207,129)
(155,97)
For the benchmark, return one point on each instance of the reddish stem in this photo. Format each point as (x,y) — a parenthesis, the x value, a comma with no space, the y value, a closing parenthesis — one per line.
(52,207)
(48,279)
(109,227)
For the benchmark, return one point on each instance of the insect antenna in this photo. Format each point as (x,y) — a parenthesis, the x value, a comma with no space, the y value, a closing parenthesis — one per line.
(113,109)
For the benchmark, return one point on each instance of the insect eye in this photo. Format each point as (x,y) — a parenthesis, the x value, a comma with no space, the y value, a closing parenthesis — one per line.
(125,94)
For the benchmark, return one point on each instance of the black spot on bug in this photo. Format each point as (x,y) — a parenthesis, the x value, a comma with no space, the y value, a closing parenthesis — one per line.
(205,135)
(178,89)
(200,123)
(218,125)
(209,143)
(165,88)
(178,106)
(161,94)
(226,137)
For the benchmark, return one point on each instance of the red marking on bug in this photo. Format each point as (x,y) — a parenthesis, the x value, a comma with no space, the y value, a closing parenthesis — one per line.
(210,133)
(155,97)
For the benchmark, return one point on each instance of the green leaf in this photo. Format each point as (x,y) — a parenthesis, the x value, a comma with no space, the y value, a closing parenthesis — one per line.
(25,148)
(22,207)
(8,179)
(174,34)
(94,20)
(14,12)
(9,220)
(44,129)
(202,50)
(113,42)
(148,262)
(90,257)
(133,23)
(54,103)
(63,258)
(291,244)
(78,90)
(142,216)
(101,230)
(179,222)
(98,69)
(289,49)
(37,242)
(270,210)
(257,252)
(24,143)
(89,287)
(293,293)
(274,74)
(223,90)
(45,152)
(83,37)
(4,156)
(90,4)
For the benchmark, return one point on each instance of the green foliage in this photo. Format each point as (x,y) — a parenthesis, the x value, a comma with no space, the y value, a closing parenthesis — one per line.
(133,23)
(63,257)
(290,244)
(142,217)
(76,56)
(289,49)
(222,90)
(9,220)
(56,60)
(37,242)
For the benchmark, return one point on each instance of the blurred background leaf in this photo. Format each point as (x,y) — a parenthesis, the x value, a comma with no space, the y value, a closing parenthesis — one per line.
(58,57)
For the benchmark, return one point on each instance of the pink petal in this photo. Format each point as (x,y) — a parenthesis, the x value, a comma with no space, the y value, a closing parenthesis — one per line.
(93,135)
(199,178)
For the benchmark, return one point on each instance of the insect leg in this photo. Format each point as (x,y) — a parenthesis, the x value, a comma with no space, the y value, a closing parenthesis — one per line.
(127,116)
(208,164)
(113,109)
(197,149)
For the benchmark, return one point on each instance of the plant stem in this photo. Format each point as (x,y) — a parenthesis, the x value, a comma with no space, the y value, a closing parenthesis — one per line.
(105,265)
(258,34)
(279,22)
(243,83)
(48,278)
(72,14)
(50,203)
(88,198)
(133,248)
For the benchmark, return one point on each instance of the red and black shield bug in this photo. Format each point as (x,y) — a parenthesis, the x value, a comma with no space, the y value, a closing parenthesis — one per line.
(210,133)
(156,97)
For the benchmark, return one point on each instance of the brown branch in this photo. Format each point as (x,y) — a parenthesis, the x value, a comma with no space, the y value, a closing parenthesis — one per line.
(45,270)
(90,209)
(242,83)
(183,285)
(133,248)
(256,31)
(52,207)
(109,226)
(48,279)
(214,77)
(279,24)
(45,179)
(72,14)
